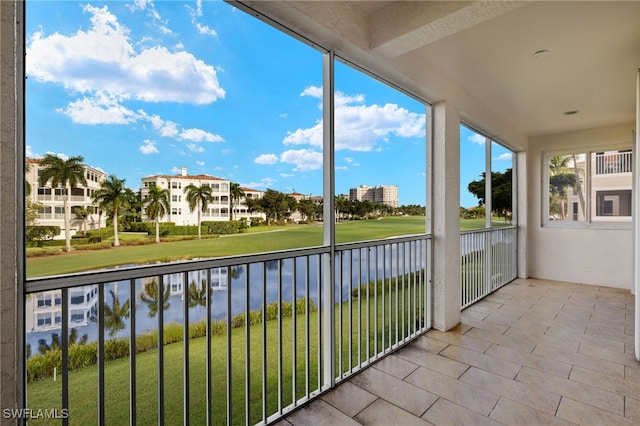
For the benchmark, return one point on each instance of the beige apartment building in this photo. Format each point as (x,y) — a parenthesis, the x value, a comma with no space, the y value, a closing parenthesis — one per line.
(381,194)
(50,200)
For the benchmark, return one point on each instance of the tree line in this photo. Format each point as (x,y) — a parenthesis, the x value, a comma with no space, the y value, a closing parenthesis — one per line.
(124,206)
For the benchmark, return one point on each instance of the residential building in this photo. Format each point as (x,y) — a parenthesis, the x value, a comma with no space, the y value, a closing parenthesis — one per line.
(179,211)
(241,211)
(43,311)
(381,194)
(51,200)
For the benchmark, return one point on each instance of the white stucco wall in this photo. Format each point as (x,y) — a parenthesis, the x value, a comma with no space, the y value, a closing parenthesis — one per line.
(590,255)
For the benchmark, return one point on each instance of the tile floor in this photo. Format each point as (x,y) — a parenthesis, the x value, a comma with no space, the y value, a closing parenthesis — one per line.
(533,353)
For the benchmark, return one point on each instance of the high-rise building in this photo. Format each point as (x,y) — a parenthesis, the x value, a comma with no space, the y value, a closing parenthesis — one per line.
(381,194)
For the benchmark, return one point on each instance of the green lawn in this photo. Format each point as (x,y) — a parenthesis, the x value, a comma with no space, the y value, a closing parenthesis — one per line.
(355,347)
(270,239)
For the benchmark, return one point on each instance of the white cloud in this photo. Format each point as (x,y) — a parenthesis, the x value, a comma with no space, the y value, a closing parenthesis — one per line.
(199,135)
(200,163)
(197,13)
(266,159)
(477,139)
(304,159)
(360,127)
(149,147)
(263,183)
(507,156)
(101,109)
(103,60)
(195,148)
(286,175)
(204,29)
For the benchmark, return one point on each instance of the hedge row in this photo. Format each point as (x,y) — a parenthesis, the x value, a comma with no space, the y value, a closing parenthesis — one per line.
(207,227)
(83,355)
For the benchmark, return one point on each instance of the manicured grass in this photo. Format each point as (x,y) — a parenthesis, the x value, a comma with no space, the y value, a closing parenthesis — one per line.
(355,346)
(271,239)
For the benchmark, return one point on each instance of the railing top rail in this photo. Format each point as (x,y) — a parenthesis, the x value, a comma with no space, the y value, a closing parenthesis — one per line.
(56,282)
(481,230)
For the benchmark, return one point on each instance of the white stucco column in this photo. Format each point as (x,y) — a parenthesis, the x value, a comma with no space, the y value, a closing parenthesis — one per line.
(446,216)
(9,154)
(521,218)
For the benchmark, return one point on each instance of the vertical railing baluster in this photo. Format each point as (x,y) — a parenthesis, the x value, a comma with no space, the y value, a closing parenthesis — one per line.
(229,352)
(247,347)
(383,281)
(101,383)
(280,351)
(65,353)
(338,336)
(185,347)
(307,322)
(359,284)
(368,281)
(264,341)
(349,295)
(132,352)
(397,292)
(160,303)
(209,408)
(294,347)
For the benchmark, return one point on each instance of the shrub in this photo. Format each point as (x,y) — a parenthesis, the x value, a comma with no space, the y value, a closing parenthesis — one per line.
(224,228)
(36,235)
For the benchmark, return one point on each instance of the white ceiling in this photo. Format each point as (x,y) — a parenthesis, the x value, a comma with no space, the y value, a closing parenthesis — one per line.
(486,50)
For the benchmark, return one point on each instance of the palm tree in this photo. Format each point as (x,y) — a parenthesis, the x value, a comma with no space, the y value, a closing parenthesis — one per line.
(63,173)
(111,197)
(199,198)
(82,213)
(197,294)
(114,315)
(157,202)
(150,297)
(236,193)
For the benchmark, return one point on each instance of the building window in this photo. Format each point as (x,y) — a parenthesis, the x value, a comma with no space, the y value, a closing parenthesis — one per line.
(44,320)
(585,187)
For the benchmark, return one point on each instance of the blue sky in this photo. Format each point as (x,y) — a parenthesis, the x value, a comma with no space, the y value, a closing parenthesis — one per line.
(140,88)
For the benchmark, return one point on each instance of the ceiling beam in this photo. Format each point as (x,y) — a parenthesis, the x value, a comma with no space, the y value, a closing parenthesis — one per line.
(404,26)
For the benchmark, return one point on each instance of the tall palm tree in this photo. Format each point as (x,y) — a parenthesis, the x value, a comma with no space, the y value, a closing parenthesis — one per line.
(111,197)
(82,213)
(66,174)
(114,315)
(199,198)
(235,193)
(150,297)
(157,204)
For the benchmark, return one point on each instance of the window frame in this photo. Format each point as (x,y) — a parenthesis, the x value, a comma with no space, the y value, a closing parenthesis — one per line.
(591,221)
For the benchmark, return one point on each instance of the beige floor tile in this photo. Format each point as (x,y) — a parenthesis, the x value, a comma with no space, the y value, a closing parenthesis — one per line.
(482,361)
(459,340)
(582,360)
(404,394)
(396,366)
(464,394)
(501,339)
(586,394)
(632,409)
(319,413)
(583,414)
(483,325)
(607,355)
(535,397)
(450,367)
(429,344)
(626,387)
(446,413)
(534,336)
(383,413)
(349,398)
(510,412)
(547,365)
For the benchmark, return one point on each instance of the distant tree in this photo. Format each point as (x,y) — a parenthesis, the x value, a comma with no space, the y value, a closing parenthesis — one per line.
(307,209)
(561,178)
(198,198)
(132,208)
(501,187)
(151,296)
(83,214)
(235,193)
(111,197)
(157,204)
(66,174)
(115,314)
(273,204)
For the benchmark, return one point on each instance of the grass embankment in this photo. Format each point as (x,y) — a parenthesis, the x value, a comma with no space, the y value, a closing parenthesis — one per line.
(399,319)
(270,239)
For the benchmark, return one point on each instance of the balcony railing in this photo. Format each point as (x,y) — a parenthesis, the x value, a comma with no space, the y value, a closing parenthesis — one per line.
(246,339)
(488,261)
(613,163)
